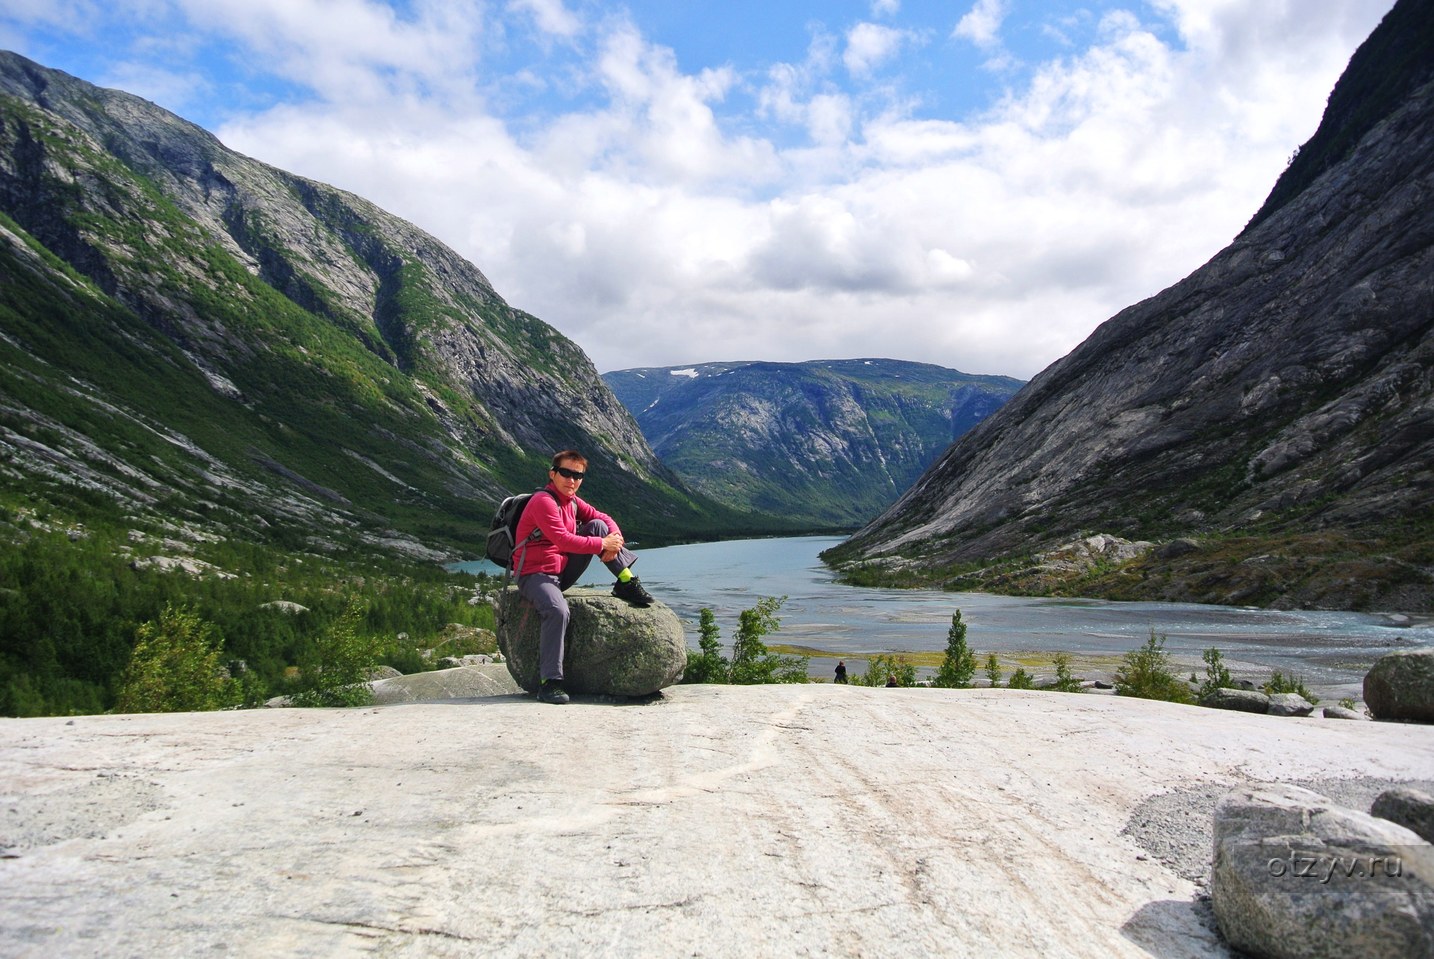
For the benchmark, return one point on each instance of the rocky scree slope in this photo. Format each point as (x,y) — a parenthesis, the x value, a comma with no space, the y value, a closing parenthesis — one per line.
(191,333)
(828,442)
(1268,422)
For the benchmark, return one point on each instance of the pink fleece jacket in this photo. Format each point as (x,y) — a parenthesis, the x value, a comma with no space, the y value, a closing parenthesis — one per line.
(558,517)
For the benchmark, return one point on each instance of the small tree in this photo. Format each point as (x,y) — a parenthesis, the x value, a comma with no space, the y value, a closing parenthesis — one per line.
(751,661)
(176,667)
(1065,682)
(337,668)
(959,663)
(1146,674)
(879,669)
(709,665)
(1216,675)
(1021,679)
(993,670)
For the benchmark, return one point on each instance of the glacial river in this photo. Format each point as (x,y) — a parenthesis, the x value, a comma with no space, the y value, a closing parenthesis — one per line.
(1329,651)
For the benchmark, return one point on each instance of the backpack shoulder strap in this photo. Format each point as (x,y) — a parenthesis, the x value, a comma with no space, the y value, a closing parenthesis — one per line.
(516,563)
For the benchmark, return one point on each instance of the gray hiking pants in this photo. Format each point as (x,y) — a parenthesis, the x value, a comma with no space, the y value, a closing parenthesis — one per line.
(545,592)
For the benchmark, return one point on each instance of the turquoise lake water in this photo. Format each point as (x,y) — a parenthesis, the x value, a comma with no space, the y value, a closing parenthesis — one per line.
(1330,651)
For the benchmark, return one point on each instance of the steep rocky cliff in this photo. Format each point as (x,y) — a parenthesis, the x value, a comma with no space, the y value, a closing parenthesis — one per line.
(1267,423)
(190,333)
(828,442)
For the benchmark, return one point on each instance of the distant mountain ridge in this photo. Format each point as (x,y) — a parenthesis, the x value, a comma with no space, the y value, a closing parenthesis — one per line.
(192,336)
(826,442)
(1267,423)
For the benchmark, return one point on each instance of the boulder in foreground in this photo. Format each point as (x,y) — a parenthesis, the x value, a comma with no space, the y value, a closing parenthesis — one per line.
(1297,876)
(612,648)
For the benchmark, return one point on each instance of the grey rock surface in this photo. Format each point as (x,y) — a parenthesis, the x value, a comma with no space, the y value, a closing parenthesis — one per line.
(1400,685)
(1289,704)
(1411,808)
(1297,876)
(461,682)
(1285,381)
(1243,700)
(814,820)
(613,649)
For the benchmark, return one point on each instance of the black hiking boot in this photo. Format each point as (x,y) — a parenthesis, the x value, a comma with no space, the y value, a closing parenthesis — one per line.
(551,691)
(632,592)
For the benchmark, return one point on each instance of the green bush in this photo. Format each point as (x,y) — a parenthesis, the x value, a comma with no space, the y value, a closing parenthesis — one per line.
(1216,675)
(1021,679)
(709,665)
(176,667)
(337,668)
(880,670)
(1065,682)
(993,670)
(1280,684)
(1146,674)
(751,663)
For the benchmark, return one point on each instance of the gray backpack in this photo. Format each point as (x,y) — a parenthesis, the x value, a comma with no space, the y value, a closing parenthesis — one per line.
(503,533)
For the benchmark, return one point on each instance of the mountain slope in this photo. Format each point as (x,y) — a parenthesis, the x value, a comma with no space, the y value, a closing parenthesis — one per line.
(189,333)
(1270,418)
(828,442)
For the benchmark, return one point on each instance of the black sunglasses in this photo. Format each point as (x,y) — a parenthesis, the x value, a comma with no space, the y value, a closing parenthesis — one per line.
(570,474)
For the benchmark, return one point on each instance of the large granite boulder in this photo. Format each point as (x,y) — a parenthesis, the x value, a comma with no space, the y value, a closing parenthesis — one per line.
(1401,686)
(612,648)
(1241,700)
(1289,704)
(1411,808)
(1297,876)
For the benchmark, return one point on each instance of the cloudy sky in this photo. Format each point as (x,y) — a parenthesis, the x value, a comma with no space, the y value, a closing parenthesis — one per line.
(974,183)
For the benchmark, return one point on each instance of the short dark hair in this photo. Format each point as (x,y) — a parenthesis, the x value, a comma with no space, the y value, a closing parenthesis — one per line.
(558,458)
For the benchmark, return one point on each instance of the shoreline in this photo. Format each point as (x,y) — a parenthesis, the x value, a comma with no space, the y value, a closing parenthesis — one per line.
(1088,667)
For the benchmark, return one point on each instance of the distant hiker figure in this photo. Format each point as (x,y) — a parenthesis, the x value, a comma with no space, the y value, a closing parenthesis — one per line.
(890,679)
(571,534)
(841,672)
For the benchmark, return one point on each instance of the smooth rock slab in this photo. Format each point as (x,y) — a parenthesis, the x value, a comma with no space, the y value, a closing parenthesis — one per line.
(612,648)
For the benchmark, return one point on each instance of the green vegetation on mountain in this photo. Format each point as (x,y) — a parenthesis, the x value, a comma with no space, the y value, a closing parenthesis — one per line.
(213,365)
(826,442)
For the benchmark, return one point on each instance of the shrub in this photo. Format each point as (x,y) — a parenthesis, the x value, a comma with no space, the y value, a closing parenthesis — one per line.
(881,669)
(751,662)
(1146,674)
(176,667)
(1294,684)
(1216,675)
(1065,682)
(335,672)
(1021,679)
(959,664)
(993,670)
(709,665)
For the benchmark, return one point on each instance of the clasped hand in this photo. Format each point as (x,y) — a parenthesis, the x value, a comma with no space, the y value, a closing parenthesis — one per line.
(611,543)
